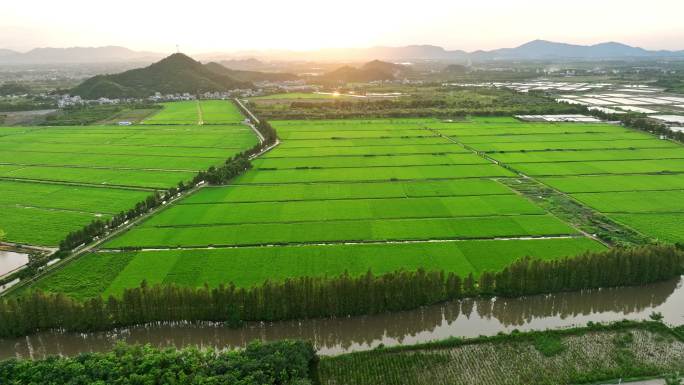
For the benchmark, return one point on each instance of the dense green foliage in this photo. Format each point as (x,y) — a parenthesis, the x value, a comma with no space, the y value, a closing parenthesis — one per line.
(439,102)
(278,363)
(14,89)
(641,122)
(177,73)
(671,83)
(87,114)
(308,297)
(30,103)
(592,354)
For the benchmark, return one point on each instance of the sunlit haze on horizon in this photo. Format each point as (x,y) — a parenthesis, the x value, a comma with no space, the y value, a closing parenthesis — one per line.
(206,26)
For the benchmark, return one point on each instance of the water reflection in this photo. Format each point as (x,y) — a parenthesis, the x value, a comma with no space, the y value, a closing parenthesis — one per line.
(465,318)
(10,261)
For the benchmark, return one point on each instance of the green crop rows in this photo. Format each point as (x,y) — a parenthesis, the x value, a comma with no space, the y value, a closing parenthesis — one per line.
(337,196)
(110,273)
(55,180)
(553,358)
(388,194)
(196,112)
(636,179)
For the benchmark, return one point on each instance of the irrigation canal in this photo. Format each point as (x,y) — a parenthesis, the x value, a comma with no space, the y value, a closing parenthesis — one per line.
(464,318)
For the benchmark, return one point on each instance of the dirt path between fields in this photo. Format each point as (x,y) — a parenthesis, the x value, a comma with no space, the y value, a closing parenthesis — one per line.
(200,117)
(333,243)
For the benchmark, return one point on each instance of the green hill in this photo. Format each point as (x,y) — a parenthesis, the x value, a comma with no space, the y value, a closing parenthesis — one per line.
(250,76)
(371,71)
(177,73)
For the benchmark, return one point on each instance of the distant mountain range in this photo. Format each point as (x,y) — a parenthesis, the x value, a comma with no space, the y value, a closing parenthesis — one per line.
(534,50)
(77,55)
(542,50)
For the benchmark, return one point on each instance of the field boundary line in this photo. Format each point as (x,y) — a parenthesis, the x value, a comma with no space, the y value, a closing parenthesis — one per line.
(20,206)
(76,184)
(535,176)
(118,154)
(304,168)
(557,141)
(81,184)
(424,180)
(200,115)
(398,219)
(367,155)
(370,145)
(348,199)
(146,145)
(361,137)
(372,180)
(345,242)
(78,166)
(681,189)
(596,160)
(577,150)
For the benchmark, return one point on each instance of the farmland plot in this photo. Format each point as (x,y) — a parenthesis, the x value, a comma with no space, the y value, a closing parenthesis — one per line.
(112,272)
(176,113)
(196,112)
(636,179)
(340,195)
(55,180)
(575,358)
(220,112)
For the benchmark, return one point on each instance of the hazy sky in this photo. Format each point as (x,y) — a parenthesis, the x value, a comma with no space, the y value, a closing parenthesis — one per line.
(229,25)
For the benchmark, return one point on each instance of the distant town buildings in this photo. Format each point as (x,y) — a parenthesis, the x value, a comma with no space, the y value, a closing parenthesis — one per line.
(69,101)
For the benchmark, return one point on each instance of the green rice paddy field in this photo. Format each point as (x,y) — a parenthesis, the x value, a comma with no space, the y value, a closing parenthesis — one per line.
(637,179)
(384,195)
(54,180)
(196,112)
(111,272)
(338,196)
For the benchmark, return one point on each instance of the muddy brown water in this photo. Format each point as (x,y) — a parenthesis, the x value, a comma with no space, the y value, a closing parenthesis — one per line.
(465,318)
(10,261)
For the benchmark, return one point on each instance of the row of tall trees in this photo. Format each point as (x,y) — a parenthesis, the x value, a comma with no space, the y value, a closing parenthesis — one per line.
(640,122)
(309,297)
(428,101)
(363,110)
(266,130)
